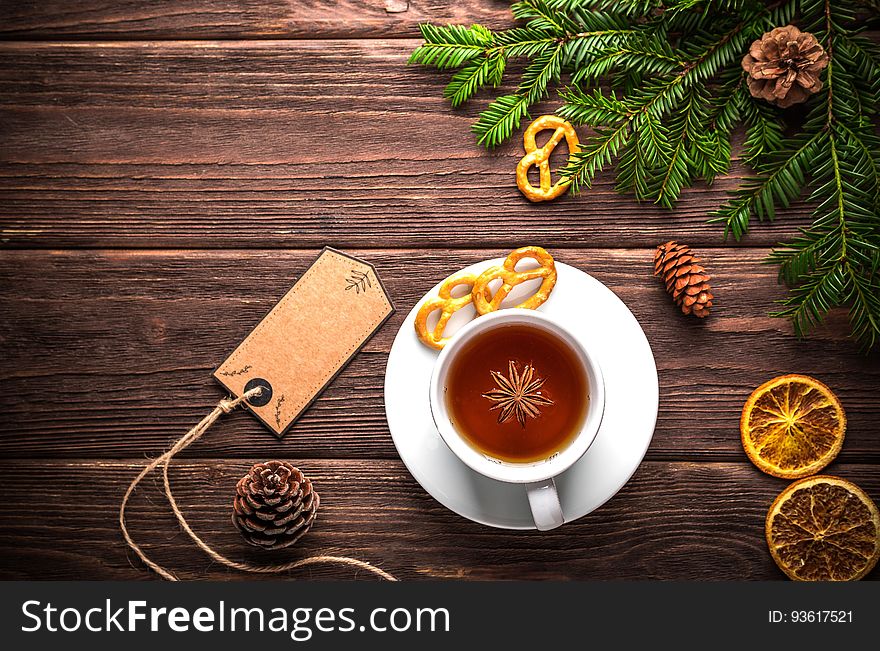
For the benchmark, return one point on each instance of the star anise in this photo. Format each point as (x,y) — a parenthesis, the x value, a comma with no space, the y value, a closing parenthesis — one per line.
(518,394)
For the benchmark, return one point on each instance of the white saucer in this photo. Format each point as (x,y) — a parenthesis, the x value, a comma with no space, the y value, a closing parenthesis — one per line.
(590,311)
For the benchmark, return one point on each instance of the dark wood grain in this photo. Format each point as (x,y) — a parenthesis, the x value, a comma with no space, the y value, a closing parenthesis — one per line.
(671,521)
(167,188)
(232,144)
(109,353)
(190,19)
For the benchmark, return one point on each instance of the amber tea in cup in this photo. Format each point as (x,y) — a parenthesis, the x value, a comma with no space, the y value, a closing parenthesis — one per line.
(517,393)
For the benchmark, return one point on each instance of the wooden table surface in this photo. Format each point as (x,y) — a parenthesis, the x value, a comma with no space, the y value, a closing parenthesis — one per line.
(168,169)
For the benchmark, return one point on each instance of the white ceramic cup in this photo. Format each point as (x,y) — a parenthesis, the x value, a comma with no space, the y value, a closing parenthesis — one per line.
(537,476)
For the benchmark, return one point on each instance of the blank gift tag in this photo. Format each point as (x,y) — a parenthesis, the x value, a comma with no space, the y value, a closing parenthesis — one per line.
(307,338)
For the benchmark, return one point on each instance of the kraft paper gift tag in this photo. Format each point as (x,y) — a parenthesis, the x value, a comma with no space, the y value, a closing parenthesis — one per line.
(278,370)
(307,338)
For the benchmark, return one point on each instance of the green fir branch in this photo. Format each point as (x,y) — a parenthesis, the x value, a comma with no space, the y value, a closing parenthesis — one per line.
(781,184)
(451,46)
(502,117)
(835,261)
(660,86)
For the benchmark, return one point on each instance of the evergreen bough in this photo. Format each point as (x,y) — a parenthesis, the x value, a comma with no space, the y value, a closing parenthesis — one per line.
(672,92)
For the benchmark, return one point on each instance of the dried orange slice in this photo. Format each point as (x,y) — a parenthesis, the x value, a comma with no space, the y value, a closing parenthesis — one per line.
(792,426)
(824,528)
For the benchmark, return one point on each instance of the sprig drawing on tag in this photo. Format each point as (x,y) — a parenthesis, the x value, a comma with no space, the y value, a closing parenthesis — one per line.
(359,281)
(278,411)
(241,371)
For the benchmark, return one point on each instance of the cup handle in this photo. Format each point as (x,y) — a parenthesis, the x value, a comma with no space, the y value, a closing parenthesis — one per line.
(544,500)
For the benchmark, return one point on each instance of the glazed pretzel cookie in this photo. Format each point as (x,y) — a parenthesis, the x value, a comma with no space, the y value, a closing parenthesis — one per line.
(448,306)
(486,302)
(541,157)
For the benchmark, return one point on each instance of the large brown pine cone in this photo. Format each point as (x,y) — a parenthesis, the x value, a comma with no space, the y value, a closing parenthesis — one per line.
(275,505)
(685,278)
(784,66)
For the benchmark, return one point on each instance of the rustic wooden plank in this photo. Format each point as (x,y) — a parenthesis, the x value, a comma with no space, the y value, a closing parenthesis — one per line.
(109,353)
(672,521)
(234,144)
(126,19)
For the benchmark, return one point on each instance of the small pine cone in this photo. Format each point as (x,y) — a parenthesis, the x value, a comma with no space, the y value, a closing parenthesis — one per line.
(275,505)
(784,65)
(686,279)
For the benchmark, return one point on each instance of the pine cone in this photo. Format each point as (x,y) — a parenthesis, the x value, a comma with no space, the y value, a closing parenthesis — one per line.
(784,66)
(685,278)
(275,505)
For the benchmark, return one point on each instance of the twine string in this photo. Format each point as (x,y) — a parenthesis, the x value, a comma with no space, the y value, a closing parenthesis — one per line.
(225,406)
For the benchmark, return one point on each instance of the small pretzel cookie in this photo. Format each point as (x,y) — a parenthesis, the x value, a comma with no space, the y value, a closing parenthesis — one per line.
(448,306)
(541,157)
(485,302)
